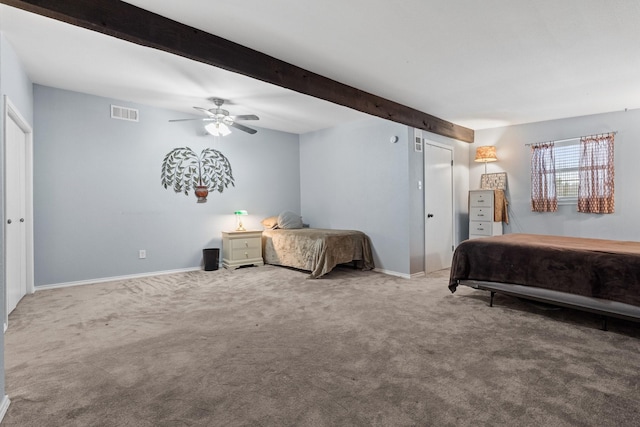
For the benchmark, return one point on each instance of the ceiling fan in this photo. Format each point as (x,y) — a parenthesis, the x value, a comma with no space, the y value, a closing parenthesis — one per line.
(220,120)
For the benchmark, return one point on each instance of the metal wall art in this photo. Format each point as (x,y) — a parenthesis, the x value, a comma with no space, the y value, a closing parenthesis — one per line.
(183,169)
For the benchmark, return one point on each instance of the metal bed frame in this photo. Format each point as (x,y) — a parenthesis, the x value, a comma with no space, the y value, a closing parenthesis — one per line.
(602,307)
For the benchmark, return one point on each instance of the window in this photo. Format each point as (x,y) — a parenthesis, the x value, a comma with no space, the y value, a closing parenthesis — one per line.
(567,164)
(574,171)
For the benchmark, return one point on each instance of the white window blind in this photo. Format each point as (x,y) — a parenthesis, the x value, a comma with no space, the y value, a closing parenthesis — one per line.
(567,162)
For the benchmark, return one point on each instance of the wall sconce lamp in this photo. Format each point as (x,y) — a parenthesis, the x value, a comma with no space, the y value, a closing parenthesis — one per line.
(485,154)
(239,214)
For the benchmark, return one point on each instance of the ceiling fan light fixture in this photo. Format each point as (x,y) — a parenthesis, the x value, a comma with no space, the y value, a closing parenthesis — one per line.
(224,129)
(217,129)
(218,120)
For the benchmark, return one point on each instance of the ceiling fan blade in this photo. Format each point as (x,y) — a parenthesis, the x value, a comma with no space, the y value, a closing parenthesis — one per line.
(182,120)
(243,128)
(246,117)
(204,119)
(204,110)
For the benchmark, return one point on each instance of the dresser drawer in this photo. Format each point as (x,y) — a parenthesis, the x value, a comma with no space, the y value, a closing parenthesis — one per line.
(248,253)
(480,214)
(250,242)
(483,228)
(481,199)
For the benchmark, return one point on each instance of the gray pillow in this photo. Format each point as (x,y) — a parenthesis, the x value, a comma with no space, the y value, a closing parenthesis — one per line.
(289,220)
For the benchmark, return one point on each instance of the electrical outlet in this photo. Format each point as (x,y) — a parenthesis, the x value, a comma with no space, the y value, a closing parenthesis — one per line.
(142,254)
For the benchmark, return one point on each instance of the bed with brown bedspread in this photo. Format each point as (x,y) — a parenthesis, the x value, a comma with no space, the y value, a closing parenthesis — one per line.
(601,276)
(315,249)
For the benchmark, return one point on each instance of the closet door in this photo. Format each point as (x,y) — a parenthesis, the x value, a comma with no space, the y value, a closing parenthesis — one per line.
(15,214)
(18,208)
(438,201)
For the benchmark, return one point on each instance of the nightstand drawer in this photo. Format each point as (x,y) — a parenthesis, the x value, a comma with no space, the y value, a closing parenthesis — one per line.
(481,199)
(248,253)
(481,228)
(480,214)
(251,242)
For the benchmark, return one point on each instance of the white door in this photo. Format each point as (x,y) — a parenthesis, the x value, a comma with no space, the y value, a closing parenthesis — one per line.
(438,203)
(15,214)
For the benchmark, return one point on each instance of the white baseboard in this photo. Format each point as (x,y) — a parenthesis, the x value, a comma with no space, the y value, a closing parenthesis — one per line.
(4,407)
(181,270)
(115,278)
(392,273)
(403,275)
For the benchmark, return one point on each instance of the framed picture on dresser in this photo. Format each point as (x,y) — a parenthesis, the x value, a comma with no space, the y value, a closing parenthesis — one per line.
(493,181)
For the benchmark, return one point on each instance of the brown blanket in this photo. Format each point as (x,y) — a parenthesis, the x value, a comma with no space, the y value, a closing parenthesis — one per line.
(607,269)
(316,250)
(500,207)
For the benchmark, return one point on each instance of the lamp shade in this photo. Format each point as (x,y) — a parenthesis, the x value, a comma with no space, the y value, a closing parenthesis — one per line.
(486,153)
(217,129)
(241,212)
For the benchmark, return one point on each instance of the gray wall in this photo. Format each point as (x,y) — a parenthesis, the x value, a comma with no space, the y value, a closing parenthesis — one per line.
(416,206)
(514,158)
(353,177)
(98,198)
(15,84)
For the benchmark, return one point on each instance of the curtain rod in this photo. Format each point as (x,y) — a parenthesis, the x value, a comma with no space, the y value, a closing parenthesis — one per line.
(571,139)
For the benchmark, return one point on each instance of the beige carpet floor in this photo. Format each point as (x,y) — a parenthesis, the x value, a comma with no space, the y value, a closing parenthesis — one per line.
(265,346)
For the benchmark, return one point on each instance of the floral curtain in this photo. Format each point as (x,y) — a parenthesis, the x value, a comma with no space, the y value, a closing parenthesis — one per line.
(596,173)
(543,178)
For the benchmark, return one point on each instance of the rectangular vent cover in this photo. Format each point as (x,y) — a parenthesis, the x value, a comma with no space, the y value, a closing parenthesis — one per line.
(417,146)
(124,113)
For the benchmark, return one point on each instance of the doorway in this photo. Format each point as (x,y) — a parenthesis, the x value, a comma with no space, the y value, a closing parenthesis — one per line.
(18,213)
(438,203)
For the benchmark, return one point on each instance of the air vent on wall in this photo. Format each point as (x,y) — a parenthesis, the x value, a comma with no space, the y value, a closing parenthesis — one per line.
(417,146)
(124,113)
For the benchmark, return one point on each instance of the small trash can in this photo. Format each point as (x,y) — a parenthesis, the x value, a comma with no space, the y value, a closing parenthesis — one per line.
(211,258)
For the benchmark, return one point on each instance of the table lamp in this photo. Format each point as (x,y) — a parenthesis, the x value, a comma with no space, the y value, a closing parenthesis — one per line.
(485,154)
(239,214)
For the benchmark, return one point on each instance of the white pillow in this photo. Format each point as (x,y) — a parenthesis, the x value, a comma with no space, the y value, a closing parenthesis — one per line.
(289,220)
(270,223)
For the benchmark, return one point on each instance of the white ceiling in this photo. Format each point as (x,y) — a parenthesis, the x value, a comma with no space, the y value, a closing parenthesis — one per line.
(477,64)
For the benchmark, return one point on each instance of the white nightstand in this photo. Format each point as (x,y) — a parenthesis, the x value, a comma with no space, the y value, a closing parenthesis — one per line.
(241,248)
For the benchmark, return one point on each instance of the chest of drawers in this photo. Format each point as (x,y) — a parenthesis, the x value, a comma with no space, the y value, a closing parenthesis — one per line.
(481,211)
(241,248)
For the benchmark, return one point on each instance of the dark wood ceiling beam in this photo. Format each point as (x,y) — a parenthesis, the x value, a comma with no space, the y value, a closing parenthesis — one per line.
(136,25)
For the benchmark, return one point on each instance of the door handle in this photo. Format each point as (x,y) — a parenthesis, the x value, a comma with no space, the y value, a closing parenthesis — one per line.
(9,221)
(429,215)
(21,219)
